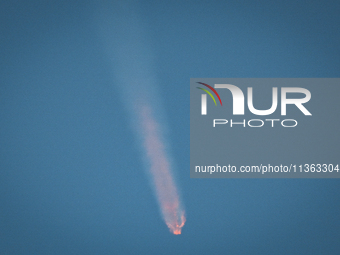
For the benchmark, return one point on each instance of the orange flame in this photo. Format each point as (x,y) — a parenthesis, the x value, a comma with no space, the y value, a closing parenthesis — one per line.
(177,229)
(160,170)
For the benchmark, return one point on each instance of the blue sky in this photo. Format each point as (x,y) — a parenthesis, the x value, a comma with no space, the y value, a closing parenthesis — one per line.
(71,172)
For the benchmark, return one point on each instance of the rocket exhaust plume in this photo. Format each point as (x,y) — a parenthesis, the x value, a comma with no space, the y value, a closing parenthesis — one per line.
(160,170)
(126,46)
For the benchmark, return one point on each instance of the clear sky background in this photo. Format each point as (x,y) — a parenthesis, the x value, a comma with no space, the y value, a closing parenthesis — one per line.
(71,173)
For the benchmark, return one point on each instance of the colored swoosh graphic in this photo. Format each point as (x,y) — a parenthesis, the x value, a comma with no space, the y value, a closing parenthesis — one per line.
(209,94)
(212,90)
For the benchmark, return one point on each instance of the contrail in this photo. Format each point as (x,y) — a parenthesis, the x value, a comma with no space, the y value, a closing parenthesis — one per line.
(129,52)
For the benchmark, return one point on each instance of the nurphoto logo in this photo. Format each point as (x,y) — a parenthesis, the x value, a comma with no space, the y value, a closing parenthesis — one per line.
(238,104)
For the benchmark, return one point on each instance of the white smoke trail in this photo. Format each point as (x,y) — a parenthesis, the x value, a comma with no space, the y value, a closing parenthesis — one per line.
(127,48)
(160,170)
